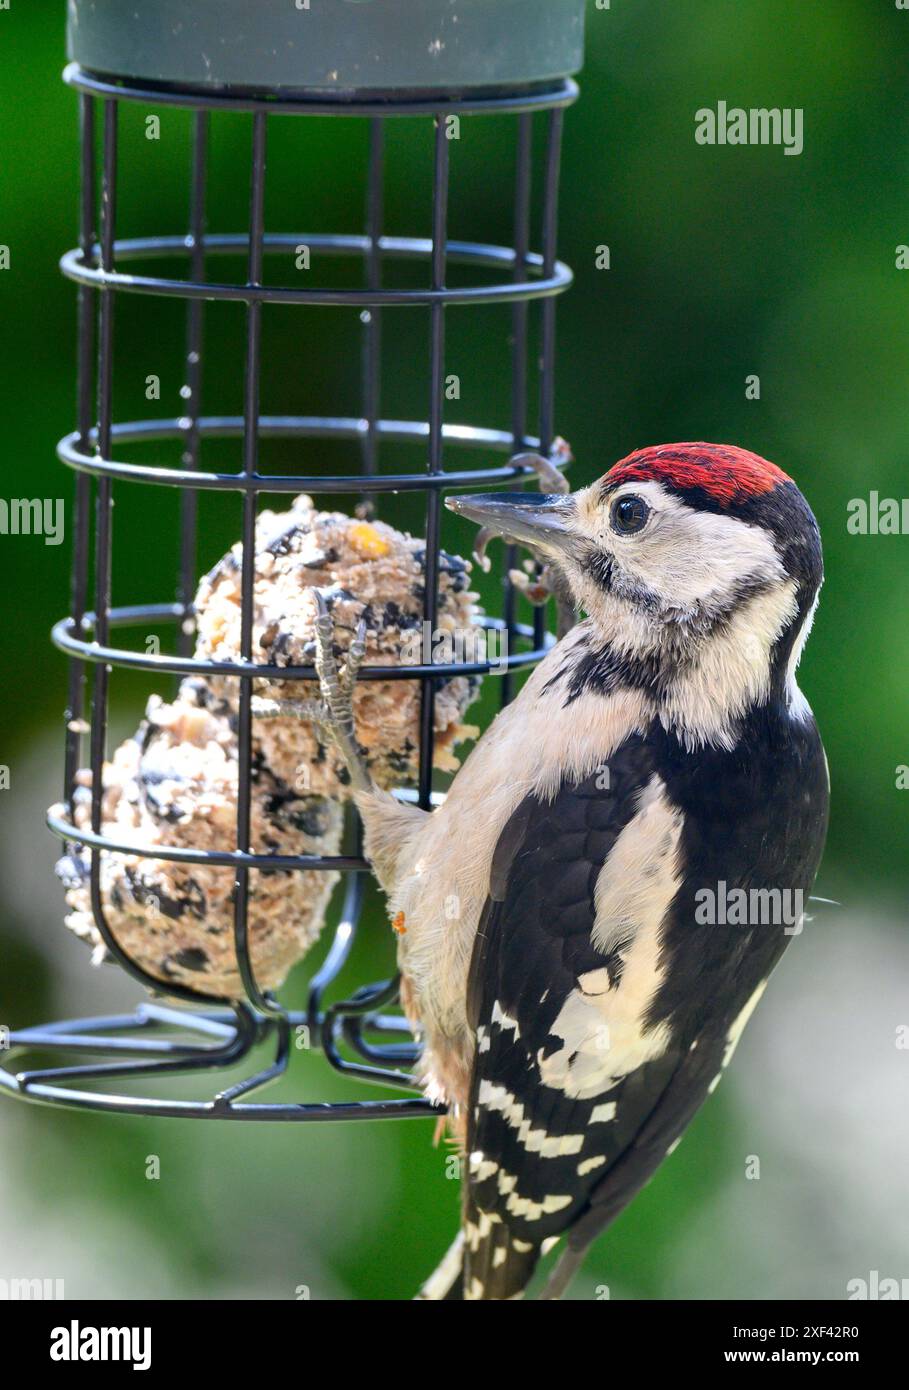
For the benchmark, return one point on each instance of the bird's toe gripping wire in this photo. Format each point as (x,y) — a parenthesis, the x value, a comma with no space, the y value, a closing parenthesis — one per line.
(337,688)
(333,713)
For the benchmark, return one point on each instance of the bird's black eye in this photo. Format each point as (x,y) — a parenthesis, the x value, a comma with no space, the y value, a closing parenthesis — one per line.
(629,514)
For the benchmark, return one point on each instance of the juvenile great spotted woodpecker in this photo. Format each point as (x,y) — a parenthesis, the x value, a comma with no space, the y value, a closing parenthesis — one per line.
(577,997)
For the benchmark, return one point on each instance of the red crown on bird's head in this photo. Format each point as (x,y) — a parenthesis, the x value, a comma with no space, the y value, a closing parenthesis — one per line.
(726,474)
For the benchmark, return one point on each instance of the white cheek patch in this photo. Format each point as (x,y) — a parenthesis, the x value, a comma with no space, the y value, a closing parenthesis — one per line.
(689,559)
(732,671)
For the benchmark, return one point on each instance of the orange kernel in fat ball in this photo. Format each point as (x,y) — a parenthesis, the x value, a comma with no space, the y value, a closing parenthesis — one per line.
(367,540)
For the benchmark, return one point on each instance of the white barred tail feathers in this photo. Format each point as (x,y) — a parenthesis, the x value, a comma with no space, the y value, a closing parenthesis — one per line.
(485,1263)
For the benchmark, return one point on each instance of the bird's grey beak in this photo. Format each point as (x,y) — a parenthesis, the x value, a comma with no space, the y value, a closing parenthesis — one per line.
(533,518)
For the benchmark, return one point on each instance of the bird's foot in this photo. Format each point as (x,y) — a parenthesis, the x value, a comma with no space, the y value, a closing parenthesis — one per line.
(538,583)
(552,479)
(333,714)
(533,582)
(337,689)
(310,711)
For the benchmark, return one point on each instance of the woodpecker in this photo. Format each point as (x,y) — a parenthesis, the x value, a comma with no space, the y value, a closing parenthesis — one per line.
(577,997)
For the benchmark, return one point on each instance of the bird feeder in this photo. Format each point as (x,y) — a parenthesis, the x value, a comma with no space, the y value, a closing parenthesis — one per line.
(371,61)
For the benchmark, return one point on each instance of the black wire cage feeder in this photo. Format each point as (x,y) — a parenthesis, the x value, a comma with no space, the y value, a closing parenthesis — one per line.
(372,61)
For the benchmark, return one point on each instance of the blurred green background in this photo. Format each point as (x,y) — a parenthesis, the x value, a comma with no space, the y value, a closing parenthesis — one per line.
(724,262)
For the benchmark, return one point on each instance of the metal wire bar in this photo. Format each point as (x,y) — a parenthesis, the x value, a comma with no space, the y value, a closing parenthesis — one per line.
(236,1038)
(436,439)
(298,427)
(555,123)
(483,254)
(189,501)
(104,516)
(519,323)
(64,636)
(268,1074)
(103,532)
(348,103)
(407,1054)
(522,259)
(339,950)
(550,230)
(236,859)
(103,546)
(61,1035)
(75,706)
(337,1019)
(224,1054)
(488,255)
(159,1013)
(286,1111)
(371,317)
(248,565)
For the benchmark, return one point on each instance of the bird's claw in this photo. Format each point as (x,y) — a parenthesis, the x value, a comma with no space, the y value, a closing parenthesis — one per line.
(481,541)
(536,588)
(337,690)
(355,654)
(548,470)
(311,711)
(332,715)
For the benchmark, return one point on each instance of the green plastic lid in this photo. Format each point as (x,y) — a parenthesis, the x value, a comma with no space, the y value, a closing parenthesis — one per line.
(330,46)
